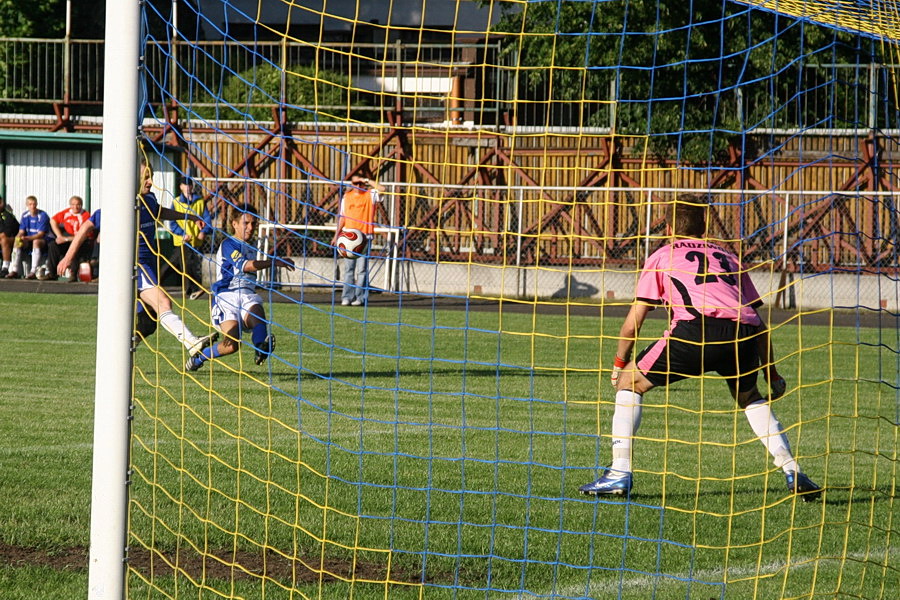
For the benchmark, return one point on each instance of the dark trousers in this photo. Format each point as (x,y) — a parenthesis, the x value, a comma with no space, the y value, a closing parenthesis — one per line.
(56,251)
(184,260)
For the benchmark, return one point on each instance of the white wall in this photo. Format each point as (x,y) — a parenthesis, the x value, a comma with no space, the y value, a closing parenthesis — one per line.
(810,292)
(52,176)
(55,175)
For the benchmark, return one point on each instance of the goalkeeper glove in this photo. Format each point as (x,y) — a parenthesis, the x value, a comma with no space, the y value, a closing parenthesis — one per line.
(618,365)
(777,385)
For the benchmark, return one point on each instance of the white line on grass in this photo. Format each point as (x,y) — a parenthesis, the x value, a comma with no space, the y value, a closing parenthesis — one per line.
(59,448)
(707,577)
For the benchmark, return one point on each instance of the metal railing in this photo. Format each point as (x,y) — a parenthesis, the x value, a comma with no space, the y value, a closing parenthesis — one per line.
(807,231)
(230,79)
(429,82)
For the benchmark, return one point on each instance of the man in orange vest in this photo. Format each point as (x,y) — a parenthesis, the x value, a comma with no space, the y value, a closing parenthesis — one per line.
(357,211)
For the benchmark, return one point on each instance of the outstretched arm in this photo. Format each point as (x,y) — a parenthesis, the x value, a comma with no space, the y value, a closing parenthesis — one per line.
(83,232)
(170,214)
(252,266)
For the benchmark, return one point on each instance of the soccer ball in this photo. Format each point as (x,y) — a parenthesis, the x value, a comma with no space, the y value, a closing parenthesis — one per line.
(350,243)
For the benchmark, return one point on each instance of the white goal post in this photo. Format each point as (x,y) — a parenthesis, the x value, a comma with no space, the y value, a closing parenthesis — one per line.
(115,306)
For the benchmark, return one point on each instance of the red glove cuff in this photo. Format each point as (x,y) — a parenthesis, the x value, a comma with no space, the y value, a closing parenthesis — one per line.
(620,363)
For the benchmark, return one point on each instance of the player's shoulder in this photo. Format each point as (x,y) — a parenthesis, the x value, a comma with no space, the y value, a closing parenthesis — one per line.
(683,246)
(231,248)
(660,254)
(149,199)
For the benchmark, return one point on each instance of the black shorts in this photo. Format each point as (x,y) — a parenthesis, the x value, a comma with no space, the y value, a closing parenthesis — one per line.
(702,345)
(9,226)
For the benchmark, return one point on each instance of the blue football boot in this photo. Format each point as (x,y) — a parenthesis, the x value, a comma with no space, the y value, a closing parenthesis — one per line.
(798,483)
(611,483)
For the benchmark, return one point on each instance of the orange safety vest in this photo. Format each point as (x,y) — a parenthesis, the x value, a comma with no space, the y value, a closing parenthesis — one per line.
(358,211)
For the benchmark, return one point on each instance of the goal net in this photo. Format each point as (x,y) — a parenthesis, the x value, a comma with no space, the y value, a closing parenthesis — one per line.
(424,433)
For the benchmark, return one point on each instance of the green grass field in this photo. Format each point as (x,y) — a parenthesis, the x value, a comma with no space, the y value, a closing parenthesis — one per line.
(395,447)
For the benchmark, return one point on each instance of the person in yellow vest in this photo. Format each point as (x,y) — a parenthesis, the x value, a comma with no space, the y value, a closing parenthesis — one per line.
(357,211)
(189,239)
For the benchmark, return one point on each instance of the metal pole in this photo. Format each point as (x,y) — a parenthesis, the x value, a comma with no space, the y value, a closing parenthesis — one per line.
(3,172)
(67,55)
(115,305)
(520,276)
(649,217)
(873,97)
(613,103)
(88,166)
(784,242)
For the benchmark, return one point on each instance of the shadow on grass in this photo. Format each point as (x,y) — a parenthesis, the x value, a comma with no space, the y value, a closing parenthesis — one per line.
(448,371)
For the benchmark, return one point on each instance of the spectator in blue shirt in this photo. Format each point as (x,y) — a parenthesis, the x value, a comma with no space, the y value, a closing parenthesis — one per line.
(34,233)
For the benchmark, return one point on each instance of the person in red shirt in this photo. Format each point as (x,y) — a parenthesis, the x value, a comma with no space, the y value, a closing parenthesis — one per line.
(65,224)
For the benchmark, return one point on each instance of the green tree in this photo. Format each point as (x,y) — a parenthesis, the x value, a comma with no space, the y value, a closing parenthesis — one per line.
(309,94)
(34,18)
(22,20)
(693,76)
(47,18)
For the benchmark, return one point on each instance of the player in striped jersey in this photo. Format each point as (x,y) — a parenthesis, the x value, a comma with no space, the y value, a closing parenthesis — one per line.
(236,307)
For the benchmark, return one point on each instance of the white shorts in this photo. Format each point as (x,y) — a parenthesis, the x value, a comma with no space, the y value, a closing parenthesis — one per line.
(233,306)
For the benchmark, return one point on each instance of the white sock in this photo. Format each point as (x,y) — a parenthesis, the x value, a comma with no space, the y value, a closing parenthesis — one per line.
(770,432)
(625,423)
(35,260)
(15,260)
(174,325)
(6,265)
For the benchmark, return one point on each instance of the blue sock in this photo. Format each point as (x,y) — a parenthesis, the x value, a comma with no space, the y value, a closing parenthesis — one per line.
(258,337)
(208,353)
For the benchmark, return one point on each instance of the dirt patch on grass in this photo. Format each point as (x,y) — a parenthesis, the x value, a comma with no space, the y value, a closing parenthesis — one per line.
(221,564)
(61,559)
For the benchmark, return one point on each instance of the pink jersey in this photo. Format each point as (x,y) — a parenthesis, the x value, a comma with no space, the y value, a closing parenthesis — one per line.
(696,277)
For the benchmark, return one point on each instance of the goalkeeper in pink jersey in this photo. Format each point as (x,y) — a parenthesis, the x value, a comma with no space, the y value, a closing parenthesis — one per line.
(715,327)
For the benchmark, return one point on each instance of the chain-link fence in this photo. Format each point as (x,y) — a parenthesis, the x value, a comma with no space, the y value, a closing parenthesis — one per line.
(604,227)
